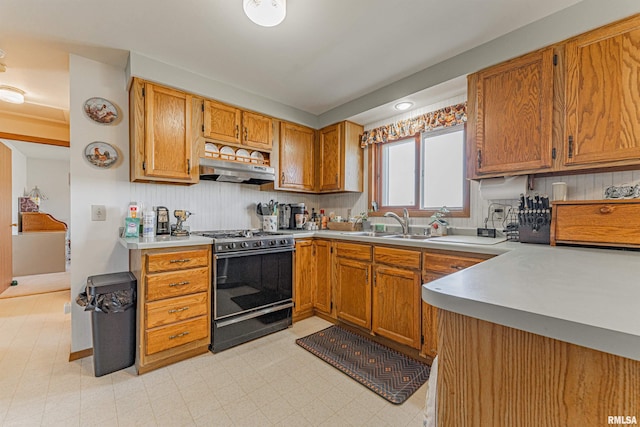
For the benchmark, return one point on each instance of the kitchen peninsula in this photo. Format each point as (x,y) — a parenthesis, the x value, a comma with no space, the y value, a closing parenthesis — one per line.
(539,336)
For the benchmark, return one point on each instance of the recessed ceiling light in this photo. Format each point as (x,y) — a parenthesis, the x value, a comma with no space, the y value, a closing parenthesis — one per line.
(267,13)
(403,105)
(11,94)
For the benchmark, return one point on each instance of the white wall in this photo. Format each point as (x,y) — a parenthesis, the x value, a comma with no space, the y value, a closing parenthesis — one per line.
(52,177)
(94,245)
(18,181)
(216,205)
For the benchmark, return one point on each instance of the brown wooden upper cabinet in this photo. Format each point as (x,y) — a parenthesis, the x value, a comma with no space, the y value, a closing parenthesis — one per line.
(571,106)
(296,154)
(603,95)
(227,124)
(163,143)
(340,158)
(512,107)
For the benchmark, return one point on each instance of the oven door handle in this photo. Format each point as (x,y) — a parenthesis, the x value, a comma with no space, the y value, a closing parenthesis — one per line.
(255,314)
(253,252)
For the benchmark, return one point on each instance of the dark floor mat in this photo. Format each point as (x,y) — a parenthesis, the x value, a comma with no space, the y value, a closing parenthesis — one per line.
(387,372)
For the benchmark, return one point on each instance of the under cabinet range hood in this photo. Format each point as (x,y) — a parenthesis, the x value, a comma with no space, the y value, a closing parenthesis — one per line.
(245,173)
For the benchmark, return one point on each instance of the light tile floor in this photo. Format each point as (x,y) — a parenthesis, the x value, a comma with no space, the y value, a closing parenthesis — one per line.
(269,381)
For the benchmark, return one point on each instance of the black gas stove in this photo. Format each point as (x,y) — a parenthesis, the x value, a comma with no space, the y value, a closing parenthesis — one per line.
(246,240)
(251,284)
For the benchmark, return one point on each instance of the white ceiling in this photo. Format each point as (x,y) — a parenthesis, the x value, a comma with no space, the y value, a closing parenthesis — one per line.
(325,53)
(39,151)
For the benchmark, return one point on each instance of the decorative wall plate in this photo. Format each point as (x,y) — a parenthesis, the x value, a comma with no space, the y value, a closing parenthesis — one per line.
(101,154)
(100,110)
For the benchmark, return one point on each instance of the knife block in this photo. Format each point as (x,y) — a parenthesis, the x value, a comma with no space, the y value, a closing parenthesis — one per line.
(536,228)
(528,234)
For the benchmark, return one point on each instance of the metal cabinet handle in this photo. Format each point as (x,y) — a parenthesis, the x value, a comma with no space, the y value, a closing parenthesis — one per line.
(282,179)
(237,131)
(188,166)
(180,335)
(178,310)
(246,133)
(456,267)
(173,261)
(606,209)
(179,283)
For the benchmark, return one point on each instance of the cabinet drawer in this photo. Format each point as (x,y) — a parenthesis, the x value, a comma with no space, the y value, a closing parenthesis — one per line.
(446,264)
(610,223)
(173,284)
(173,310)
(168,261)
(397,257)
(174,335)
(354,251)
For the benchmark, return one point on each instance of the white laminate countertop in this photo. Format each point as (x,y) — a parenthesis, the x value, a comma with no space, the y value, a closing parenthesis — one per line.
(163,242)
(588,297)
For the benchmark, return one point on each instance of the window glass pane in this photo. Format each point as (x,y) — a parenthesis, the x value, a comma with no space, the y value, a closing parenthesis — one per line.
(399,173)
(443,162)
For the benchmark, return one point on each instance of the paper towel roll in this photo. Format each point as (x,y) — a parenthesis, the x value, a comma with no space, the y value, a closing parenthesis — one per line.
(504,188)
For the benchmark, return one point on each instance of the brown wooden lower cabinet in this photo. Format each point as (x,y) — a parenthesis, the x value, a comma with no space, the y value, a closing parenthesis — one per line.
(396,304)
(437,264)
(304,279)
(493,375)
(354,292)
(174,300)
(324,278)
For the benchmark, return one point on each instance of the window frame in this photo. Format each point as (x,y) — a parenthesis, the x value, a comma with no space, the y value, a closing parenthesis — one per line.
(375,179)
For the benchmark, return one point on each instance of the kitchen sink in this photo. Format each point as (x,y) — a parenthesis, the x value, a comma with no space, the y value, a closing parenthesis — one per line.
(369,233)
(408,236)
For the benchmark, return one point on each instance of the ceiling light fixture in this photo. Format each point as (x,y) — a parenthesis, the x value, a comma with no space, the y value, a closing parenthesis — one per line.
(11,94)
(267,13)
(403,105)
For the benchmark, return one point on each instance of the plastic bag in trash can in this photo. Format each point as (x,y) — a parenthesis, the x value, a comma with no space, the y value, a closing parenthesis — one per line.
(111,302)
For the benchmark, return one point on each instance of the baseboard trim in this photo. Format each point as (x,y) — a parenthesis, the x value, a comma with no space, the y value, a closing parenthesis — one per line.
(76,355)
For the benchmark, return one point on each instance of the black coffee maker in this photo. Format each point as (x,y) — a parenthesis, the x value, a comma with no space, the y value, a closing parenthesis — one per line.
(162,221)
(296,208)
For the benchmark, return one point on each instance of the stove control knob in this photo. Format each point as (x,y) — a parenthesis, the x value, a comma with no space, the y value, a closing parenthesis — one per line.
(231,245)
(260,243)
(283,241)
(244,244)
(272,242)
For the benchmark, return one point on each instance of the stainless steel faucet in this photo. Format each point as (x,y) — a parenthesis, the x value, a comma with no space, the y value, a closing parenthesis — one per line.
(404,221)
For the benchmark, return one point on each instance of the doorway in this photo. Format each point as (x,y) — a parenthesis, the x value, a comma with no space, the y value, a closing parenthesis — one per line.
(40,195)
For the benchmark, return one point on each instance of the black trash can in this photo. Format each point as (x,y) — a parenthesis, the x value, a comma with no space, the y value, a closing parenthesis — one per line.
(112,299)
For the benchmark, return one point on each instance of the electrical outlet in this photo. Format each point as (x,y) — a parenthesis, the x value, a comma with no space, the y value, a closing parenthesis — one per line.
(67,307)
(497,214)
(98,213)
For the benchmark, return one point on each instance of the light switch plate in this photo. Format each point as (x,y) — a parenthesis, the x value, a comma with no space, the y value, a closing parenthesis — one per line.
(98,213)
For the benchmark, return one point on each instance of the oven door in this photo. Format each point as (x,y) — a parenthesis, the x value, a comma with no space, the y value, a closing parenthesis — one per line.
(251,281)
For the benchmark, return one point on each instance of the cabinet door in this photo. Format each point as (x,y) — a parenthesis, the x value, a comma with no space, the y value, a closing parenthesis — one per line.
(257,131)
(296,155)
(603,114)
(354,292)
(222,122)
(429,321)
(305,277)
(396,304)
(322,294)
(331,158)
(514,115)
(168,139)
